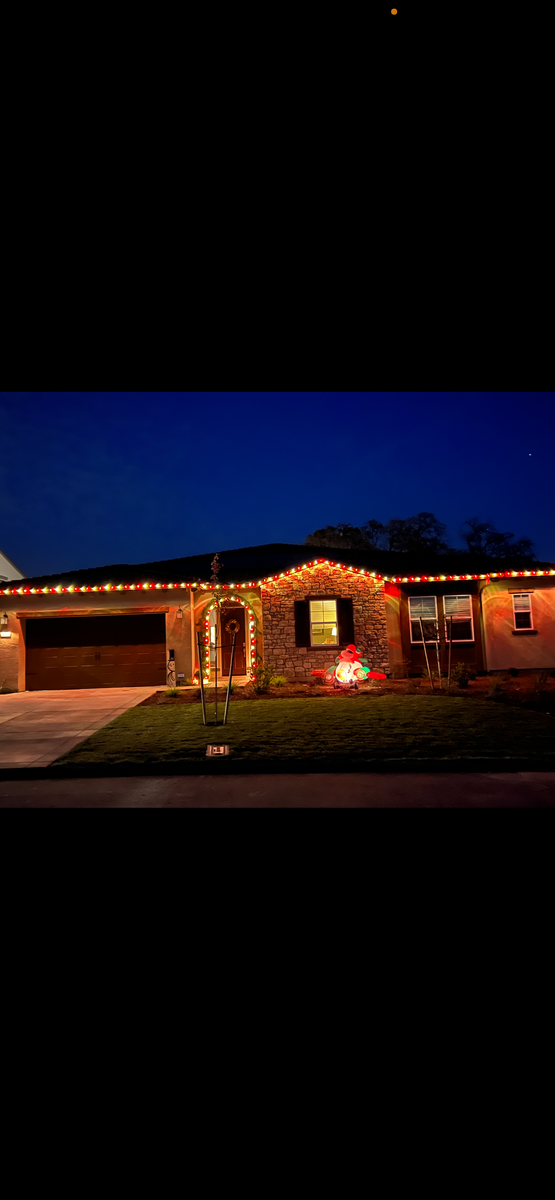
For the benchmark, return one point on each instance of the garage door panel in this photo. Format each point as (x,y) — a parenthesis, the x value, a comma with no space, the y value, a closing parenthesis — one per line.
(110,651)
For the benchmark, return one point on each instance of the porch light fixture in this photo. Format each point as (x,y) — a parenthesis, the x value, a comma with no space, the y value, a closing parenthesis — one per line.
(4,620)
(179,613)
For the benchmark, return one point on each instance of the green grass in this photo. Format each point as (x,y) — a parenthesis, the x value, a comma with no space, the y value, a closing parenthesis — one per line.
(326,731)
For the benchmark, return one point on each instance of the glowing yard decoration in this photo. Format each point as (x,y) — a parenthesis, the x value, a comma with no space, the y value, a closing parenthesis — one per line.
(348,670)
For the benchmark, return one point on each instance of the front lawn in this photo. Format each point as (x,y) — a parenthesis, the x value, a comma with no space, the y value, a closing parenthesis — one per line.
(325,732)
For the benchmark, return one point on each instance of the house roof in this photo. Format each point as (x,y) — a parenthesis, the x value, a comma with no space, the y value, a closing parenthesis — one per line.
(250,564)
(6,563)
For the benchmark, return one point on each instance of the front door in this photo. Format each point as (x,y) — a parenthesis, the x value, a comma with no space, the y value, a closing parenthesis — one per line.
(231,618)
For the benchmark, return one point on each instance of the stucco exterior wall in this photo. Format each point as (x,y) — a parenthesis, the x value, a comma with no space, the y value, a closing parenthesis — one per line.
(298,662)
(9,652)
(504,647)
(392,598)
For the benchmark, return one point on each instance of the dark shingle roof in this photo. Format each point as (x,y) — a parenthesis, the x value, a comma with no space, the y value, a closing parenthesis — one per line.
(251,563)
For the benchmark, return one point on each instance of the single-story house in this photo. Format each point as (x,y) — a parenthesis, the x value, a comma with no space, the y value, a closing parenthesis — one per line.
(137,625)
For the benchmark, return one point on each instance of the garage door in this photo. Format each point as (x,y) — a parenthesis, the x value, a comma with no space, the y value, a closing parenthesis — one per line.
(90,652)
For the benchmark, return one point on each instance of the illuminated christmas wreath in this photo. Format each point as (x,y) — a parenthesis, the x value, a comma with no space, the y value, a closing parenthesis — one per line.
(233,626)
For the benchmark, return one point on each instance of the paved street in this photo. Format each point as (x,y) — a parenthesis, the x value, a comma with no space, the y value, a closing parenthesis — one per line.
(37,727)
(534,789)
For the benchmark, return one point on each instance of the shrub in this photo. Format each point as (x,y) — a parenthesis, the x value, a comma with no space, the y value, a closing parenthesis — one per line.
(263,679)
(173,691)
(278,680)
(401,669)
(425,675)
(461,674)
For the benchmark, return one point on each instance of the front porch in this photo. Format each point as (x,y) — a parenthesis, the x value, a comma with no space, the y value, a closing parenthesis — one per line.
(237,681)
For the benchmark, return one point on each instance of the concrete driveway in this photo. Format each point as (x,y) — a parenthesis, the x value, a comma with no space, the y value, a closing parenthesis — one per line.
(37,727)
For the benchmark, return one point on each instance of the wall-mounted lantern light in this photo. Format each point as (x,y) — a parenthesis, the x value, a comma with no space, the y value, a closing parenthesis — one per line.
(179,614)
(4,619)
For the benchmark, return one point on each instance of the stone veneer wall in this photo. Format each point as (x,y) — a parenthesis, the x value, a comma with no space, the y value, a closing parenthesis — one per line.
(278,615)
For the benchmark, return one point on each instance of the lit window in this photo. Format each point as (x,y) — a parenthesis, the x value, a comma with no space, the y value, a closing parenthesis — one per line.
(323,623)
(423,608)
(522,611)
(458,610)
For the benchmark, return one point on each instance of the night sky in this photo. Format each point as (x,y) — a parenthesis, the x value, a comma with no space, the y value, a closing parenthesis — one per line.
(94,478)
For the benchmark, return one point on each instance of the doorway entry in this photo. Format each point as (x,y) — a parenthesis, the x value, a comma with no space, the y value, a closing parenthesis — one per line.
(233,619)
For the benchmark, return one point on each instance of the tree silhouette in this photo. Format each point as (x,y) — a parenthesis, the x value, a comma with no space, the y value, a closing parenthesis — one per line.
(483,539)
(423,533)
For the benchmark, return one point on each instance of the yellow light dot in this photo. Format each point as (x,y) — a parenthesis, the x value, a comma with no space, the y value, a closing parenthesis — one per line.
(394,12)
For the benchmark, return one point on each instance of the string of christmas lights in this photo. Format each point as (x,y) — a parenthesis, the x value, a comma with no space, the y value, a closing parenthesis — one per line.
(252,633)
(269,579)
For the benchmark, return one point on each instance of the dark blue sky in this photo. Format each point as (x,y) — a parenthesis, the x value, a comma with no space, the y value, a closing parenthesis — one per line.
(92,478)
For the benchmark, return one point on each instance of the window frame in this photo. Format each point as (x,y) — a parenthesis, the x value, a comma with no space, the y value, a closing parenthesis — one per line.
(459,596)
(320,600)
(419,641)
(520,628)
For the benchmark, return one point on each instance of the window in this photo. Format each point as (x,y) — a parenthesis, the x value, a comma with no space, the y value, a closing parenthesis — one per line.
(522,610)
(323,623)
(459,608)
(424,607)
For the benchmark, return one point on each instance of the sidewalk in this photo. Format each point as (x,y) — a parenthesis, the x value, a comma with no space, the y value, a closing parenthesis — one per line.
(522,789)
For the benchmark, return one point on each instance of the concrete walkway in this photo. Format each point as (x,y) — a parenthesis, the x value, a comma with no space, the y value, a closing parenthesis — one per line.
(37,727)
(517,789)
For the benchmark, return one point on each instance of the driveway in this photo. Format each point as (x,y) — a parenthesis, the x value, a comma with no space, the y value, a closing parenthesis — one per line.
(37,727)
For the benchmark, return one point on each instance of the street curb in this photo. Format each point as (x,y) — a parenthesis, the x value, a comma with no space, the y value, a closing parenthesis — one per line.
(280,767)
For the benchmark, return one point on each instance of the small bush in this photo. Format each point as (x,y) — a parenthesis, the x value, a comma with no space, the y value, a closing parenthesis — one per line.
(263,679)
(461,675)
(279,680)
(401,669)
(173,691)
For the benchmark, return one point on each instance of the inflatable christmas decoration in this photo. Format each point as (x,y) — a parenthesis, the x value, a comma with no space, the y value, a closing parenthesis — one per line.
(348,670)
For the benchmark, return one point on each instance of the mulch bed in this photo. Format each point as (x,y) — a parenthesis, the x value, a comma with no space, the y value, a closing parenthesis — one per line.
(524,691)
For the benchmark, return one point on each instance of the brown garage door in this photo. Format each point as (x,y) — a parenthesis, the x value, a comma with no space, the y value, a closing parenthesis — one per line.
(89,652)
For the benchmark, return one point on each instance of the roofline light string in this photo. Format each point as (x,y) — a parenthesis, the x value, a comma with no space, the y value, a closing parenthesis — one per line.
(270,579)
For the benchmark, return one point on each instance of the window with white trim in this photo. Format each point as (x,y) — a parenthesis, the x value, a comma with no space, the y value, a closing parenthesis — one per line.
(522,610)
(458,612)
(323,623)
(423,608)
